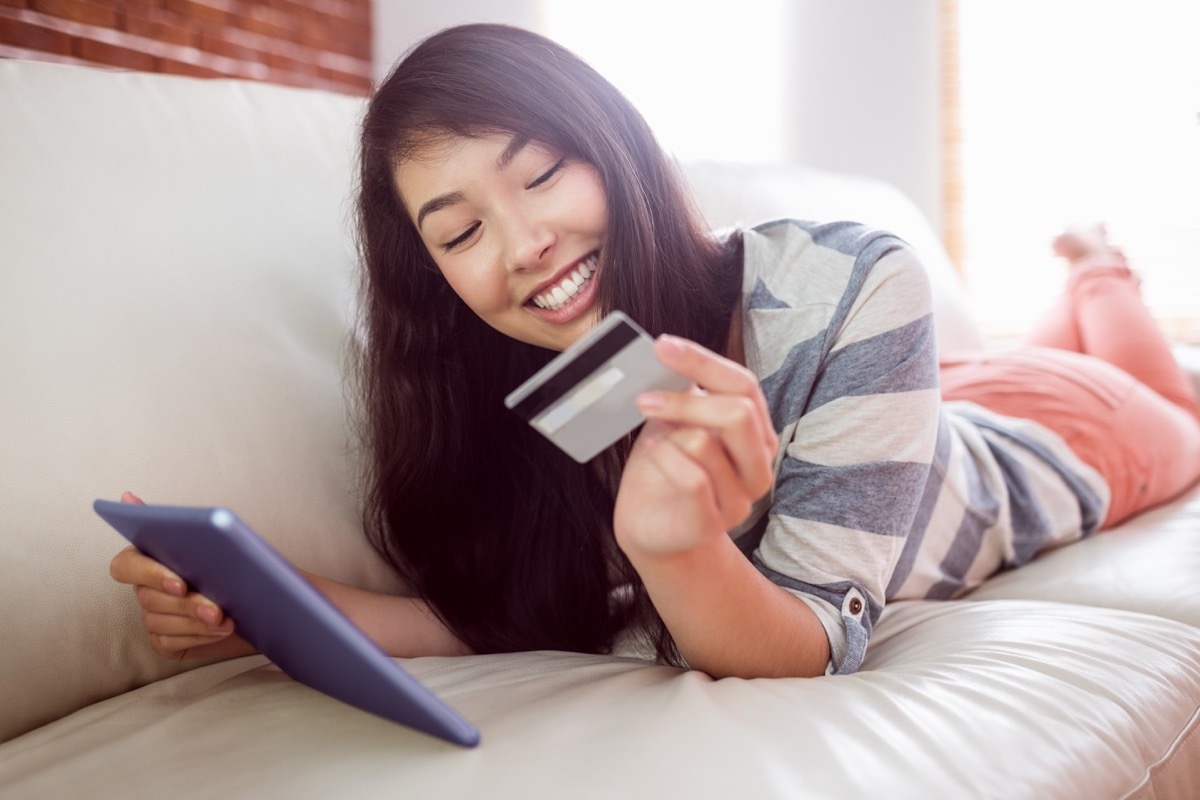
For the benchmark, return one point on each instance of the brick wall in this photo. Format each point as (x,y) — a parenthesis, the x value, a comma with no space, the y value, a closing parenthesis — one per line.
(314,43)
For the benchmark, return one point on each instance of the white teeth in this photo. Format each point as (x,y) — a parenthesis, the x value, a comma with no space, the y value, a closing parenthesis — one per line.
(569,286)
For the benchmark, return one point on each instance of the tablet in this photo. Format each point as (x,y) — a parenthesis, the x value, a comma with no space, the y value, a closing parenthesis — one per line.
(585,399)
(281,613)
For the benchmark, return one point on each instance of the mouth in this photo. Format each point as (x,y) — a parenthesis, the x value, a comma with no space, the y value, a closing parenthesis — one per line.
(560,293)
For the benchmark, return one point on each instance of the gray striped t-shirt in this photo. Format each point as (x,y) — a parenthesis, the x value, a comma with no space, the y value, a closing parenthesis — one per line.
(882,491)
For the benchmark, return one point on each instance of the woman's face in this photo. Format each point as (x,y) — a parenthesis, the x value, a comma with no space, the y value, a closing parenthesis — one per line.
(516,230)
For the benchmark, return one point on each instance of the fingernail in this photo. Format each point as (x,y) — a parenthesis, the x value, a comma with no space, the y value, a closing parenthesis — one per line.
(673,345)
(174,586)
(208,614)
(650,401)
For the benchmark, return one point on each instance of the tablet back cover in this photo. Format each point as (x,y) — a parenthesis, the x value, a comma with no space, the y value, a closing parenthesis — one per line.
(281,613)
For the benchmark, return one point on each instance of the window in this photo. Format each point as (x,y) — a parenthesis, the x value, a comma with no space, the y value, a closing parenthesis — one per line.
(1072,111)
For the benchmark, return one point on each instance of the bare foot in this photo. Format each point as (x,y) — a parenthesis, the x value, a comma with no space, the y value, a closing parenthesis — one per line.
(1086,243)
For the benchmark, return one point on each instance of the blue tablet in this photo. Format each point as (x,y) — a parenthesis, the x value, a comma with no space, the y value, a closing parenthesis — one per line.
(281,613)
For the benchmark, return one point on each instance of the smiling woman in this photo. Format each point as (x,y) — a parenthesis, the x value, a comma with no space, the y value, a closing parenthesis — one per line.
(513,227)
(537,170)
(759,521)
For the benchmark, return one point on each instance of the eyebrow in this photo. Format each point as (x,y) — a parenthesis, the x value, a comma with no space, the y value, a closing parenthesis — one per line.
(437,204)
(515,146)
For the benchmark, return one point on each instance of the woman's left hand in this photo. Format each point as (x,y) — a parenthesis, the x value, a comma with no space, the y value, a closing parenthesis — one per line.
(701,461)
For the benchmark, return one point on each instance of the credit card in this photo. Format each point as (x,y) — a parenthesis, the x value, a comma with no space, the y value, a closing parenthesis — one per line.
(584,400)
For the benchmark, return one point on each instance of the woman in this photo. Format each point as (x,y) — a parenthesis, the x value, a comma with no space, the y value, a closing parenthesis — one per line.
(756,525)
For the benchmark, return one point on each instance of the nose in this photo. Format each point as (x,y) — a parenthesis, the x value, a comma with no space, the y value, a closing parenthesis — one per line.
(529,241)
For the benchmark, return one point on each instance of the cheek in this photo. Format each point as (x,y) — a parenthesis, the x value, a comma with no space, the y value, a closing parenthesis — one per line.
(476,286)
(591,186)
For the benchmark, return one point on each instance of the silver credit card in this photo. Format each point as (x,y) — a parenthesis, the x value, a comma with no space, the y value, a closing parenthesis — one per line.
(584,400)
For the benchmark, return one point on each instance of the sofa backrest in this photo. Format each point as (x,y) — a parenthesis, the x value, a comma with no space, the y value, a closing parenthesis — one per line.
(176,287)
(176,291)
(730,194)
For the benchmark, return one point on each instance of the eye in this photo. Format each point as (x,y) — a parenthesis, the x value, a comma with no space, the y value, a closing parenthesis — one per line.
(548,174)
(460,239)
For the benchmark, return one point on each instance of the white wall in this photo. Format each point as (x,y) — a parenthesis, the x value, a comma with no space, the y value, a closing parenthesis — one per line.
(399,24)
(865,80)
(867,92)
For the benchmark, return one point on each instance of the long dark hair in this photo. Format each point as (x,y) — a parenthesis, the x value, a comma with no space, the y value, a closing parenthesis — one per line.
(507,538)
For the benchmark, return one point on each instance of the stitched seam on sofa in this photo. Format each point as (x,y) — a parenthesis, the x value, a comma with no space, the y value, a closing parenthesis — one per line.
(1188,742)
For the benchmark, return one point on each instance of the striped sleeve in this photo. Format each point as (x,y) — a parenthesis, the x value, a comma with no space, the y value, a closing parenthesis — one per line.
(845,347)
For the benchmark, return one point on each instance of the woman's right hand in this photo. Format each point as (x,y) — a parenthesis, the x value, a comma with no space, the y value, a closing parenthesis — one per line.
(179,624)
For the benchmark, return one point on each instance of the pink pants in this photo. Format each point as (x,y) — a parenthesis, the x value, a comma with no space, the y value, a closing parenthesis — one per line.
(1098,372)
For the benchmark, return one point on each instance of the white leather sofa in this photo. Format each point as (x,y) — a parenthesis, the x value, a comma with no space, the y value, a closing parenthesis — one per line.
(176,290)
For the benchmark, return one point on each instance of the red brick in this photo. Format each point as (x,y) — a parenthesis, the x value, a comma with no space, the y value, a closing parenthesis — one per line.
(286,6)
(78,11)
(311,35)
(158,31)
(253,70)
(172,67)
(193,10)
(213,42)
(248,39)
(354,10)
(267,22)
(346,37)
(143,7)
(112,55)
(344,78)
(34,37)
(337,36)
(292,8)
(290,66)
(345,65)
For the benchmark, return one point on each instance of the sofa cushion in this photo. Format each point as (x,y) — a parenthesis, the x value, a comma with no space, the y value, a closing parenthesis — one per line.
(1006,699)
(175,294)
(1150,564)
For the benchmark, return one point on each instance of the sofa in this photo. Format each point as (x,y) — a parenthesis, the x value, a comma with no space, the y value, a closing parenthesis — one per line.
(177,293)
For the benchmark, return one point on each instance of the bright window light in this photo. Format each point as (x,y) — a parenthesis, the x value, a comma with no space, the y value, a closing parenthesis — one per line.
(710,84)
(1074,111)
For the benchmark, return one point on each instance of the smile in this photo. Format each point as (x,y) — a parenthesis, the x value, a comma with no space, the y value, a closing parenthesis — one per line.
(560,294)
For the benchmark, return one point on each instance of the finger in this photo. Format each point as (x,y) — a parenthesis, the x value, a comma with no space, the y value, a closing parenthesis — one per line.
(175,625)
(713,372)
(130,497)
(226,647)
(689,478)
(732,497)
(181,647)
(137,569)
(195,605)
(749,438)
(733,415)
